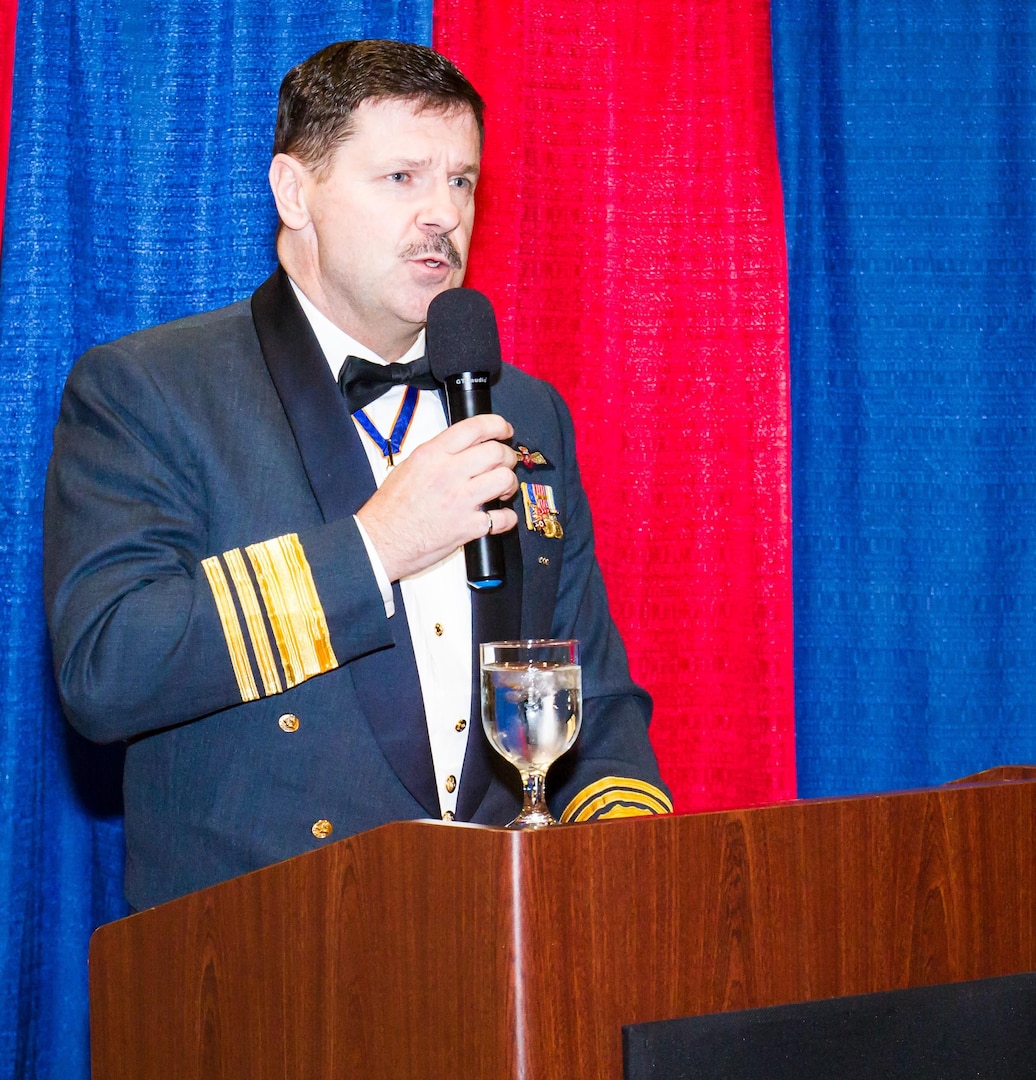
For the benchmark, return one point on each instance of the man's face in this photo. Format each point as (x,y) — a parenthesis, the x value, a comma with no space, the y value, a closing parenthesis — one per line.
(392,219)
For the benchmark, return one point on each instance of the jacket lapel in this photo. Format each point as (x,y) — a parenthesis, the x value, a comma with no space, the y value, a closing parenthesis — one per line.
(386,681)
(332,456)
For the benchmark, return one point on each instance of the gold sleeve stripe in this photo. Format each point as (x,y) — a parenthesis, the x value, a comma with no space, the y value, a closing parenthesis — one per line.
(254,621)
(293,606)
(231,628)
(617,796)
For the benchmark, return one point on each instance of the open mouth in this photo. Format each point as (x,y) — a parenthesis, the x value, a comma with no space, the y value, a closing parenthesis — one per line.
(435,252)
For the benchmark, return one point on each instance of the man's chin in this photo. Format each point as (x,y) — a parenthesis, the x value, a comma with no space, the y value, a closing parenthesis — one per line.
(430,294)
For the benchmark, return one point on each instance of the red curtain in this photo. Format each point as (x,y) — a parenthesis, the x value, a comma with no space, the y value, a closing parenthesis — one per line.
(631,238)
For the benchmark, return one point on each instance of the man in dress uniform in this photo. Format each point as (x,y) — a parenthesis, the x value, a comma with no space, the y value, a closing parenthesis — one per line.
(254,568)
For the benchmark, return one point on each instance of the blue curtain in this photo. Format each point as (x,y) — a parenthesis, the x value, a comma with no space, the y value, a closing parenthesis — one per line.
(136,193)
(907,135)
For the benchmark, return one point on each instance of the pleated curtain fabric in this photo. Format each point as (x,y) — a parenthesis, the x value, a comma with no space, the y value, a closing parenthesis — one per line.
(907,138)
(631,238)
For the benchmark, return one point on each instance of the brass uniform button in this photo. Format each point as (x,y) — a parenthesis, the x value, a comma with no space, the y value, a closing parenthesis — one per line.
(438,629)
(461,724)
(288,722)
(448,816)
(451,784)
(322,829)
(544,561)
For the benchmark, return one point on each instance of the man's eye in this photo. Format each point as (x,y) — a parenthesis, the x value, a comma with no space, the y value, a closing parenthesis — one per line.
(398,177)
(460,181)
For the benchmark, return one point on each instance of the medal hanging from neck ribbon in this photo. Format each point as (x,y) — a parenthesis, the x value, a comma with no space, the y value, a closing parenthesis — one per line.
(404,418)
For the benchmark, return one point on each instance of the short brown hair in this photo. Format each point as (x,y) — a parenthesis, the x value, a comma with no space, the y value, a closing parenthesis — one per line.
(318,96)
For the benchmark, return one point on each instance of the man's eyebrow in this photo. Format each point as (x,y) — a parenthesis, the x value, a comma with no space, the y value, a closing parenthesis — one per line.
(402,164)
(416,164)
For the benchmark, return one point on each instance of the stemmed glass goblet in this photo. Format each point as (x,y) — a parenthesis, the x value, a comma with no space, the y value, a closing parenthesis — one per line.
(531,710)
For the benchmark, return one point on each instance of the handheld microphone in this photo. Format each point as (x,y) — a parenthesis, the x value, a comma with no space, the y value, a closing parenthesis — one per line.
(464,352)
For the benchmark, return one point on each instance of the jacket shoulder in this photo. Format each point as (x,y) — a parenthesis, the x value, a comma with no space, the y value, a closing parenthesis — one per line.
(188,343)
(517,394)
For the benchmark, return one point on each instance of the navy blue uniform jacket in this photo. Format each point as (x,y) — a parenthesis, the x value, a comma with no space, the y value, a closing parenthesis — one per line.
(210,601)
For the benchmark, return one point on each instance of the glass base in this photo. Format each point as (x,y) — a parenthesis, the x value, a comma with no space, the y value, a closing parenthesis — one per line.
(532,818)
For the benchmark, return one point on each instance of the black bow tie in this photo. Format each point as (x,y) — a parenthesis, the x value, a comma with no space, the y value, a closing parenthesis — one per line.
(363,382)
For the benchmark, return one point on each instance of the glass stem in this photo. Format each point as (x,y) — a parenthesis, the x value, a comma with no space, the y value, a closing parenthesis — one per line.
(535,791)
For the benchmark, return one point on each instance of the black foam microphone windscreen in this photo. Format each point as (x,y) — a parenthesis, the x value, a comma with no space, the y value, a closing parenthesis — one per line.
(463,348)
(462,334)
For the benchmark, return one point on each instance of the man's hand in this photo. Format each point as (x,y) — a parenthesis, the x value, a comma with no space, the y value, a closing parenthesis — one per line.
(431,504)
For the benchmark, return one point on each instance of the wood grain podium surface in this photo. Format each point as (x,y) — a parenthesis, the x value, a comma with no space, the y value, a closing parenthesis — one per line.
(427,950)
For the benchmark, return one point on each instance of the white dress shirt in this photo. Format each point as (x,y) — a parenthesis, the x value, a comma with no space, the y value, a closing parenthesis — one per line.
(437,600)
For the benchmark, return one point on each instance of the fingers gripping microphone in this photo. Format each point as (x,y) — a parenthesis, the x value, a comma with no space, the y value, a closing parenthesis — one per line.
(464,353)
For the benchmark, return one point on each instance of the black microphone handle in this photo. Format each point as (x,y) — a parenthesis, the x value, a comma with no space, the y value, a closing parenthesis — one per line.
(467,394)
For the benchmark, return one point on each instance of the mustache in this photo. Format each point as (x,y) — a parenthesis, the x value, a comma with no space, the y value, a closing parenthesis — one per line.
(436,246)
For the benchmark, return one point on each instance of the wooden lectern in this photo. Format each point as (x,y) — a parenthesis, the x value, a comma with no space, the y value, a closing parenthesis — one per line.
(426,950)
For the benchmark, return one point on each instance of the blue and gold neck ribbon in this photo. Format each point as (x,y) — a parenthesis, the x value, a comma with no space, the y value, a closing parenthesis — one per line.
(404,418)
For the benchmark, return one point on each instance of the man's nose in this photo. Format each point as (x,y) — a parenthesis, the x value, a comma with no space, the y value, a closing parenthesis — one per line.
(440,212)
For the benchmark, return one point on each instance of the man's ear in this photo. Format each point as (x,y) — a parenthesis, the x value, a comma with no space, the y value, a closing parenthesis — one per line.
(288,182)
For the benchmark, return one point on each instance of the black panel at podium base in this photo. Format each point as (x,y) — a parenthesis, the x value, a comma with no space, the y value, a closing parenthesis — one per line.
(955,1031)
